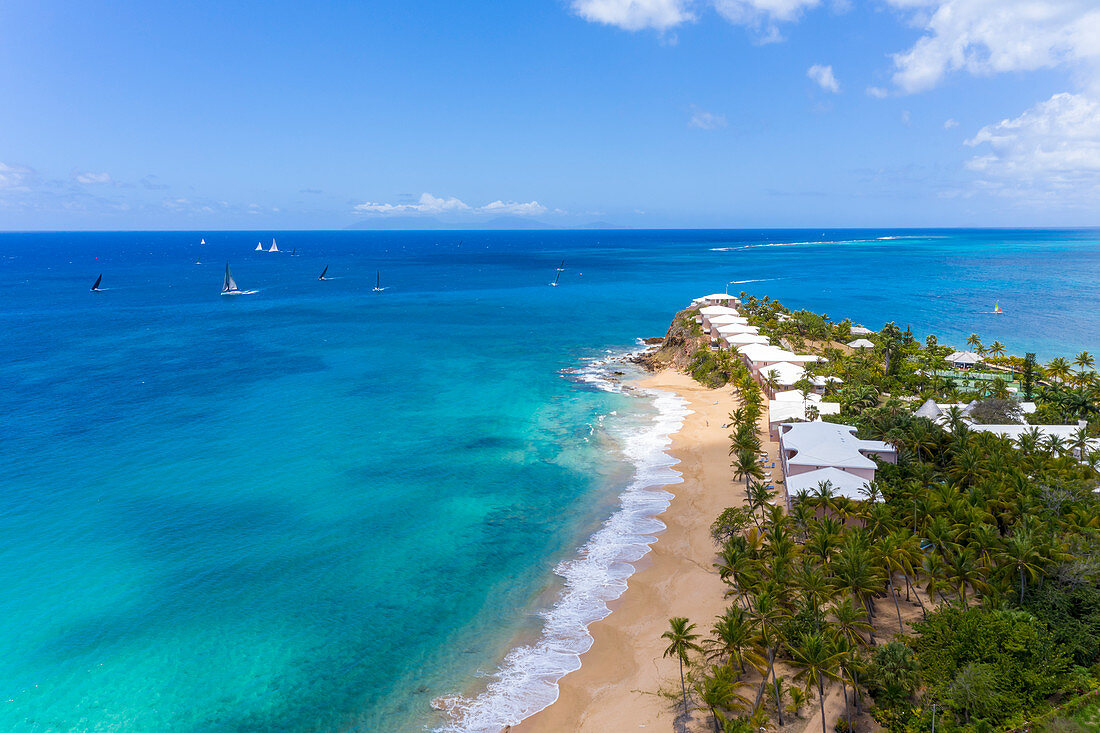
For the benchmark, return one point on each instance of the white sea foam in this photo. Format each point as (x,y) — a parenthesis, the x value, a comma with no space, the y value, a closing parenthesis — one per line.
(527,680)
(791,244)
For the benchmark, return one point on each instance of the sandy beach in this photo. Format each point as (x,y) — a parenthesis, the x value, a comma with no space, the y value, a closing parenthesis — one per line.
(615,687)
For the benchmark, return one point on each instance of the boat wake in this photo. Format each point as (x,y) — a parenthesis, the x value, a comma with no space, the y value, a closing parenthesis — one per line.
(527,680)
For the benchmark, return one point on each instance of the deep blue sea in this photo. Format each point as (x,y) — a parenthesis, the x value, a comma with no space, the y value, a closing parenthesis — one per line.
(319,508)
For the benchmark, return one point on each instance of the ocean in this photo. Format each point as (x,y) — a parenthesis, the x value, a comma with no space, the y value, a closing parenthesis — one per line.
(322,508)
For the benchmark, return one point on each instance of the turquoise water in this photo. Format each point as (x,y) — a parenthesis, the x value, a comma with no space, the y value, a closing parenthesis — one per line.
(318,508)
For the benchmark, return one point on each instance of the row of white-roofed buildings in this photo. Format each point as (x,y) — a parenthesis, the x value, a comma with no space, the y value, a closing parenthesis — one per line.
(811,452)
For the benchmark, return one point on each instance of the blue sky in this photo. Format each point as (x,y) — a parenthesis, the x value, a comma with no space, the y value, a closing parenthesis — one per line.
(697,113)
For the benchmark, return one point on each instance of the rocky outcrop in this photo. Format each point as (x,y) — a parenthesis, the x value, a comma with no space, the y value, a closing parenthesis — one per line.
(684,338)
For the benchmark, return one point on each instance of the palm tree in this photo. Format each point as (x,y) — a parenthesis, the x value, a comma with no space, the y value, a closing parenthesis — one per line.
(1021,555)
(974,342)
(747,466)
(681,641)
(1059,369)
(732,639)
(817,661)
(997,349)
(1084,360)
(719,690)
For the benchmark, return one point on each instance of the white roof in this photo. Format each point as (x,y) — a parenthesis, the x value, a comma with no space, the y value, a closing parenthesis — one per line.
(784,373)
(821,381)
(726,318)
(1015,430)
(765,352)
(963,357)
(787,410)
(843,483)
(861,344)
(719,296)
(717,310)
(829,444)
(796,394)
(743,338)
(782,317)
(735,328)
(929,410)
(860,331)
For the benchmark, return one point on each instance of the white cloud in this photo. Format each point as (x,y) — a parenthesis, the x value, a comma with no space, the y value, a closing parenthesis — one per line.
(635,15)
(428,204)
(89,177)
(986,37)
(906,118)
(824,78)
(950,124)
(14,177)
(878,92)
(706,120)
(1056,142)
(753,12)
(530,208)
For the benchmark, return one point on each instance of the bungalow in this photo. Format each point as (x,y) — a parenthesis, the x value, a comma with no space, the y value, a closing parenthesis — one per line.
(861,344)
(783,374)
(741,339)
(758,356)
(714,310)
(860,331)
(963,359)
(792,405)
(842,483)
(720,299)
(810,446)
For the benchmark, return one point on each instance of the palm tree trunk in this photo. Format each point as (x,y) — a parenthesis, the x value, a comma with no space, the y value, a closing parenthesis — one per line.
(1021,585)
(821,702)
(916,595)
(897,607)
(683,687)
(847,710)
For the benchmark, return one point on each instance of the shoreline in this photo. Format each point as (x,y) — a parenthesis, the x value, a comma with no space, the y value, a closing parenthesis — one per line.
(616,686)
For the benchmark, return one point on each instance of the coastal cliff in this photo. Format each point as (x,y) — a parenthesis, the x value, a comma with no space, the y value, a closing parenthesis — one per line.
(683,339)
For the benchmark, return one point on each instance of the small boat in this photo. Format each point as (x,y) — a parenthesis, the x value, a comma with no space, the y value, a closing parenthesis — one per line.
(259,247)
(997,307)
(322,276)
(98,280)
(294,252)
(561,268)
(198,260)
(274,248)
(229,285)
(378,282)
(202,241)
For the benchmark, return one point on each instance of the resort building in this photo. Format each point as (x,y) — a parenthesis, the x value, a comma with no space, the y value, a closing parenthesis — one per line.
(715,310)
(860,331)
(738,339)
(842,483)
(963,359)
(719,299)
(810,446)
(861,344)
(792,404)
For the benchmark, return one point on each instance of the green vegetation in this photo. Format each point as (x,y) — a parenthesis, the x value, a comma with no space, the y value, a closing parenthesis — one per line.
(991,546)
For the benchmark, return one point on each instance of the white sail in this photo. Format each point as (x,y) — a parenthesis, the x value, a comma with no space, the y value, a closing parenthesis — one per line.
(202,241)
(259,247)
(274,247)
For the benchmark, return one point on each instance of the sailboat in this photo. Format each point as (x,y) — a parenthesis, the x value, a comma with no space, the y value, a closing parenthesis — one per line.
(561,268)
(997,307)
(202,241)
(274,248)
(378,282)
(259,247)
(198,260)
(98,280)
(294,252)
(229,285)
(322,277)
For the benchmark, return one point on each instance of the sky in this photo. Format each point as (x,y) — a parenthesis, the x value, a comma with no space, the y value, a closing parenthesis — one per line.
(549,113)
